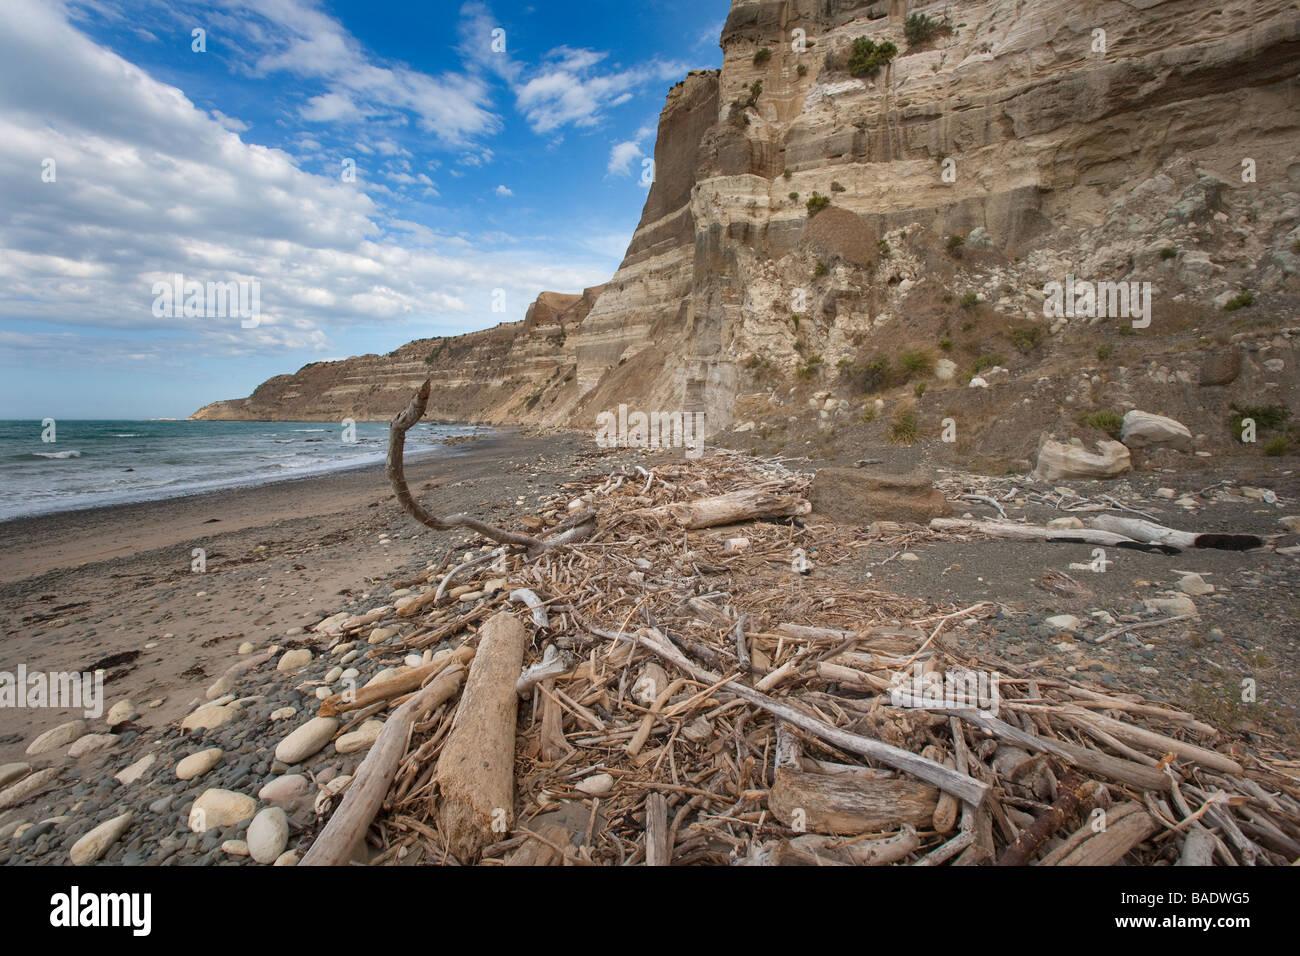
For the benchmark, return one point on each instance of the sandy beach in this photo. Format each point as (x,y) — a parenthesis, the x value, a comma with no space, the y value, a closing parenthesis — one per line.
(78,587)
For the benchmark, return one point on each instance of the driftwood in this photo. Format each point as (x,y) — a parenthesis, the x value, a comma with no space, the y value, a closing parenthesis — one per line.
(1153,533)
(1126,826)
(475,774)
(849,803)
(744,505)
(1030,532)
(371,781)
(387,690)
(1074,795)
(657,850)
(396,471)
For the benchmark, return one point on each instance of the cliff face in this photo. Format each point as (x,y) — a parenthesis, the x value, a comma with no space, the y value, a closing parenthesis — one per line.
(1026,142)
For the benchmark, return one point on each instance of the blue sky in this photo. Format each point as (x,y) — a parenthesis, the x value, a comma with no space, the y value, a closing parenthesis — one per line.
(129,156)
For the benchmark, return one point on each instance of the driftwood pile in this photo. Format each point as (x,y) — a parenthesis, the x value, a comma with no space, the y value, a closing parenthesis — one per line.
(675,688)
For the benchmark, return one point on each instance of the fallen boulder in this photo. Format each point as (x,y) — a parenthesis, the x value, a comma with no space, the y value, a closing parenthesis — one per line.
(1142,429)
(1058,460)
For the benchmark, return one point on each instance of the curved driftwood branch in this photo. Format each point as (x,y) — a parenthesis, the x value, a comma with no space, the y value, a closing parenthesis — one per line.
(396,471)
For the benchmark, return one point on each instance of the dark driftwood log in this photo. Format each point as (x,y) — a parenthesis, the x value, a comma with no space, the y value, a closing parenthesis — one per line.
(476,770)
(1074,792)
(575,529)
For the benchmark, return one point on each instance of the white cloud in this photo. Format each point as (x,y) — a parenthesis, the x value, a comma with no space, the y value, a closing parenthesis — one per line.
(624,154)
(568,90)
(503,191)
(149,185)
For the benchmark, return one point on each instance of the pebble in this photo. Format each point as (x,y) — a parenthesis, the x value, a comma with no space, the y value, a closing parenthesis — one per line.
(360,739)
(96,843)
(1062,622)
(292,660)
(210,716)
(268,834)
(57,737)
(137,770)
(285,790)
(596,785)
(121,712)
(287,858)
(381,634)
(1175,605)
(334,674)
(306,740)
(27,787)
(322,693)
(235,848)
(245,648)
(10,772)
(91,743)
(216,808)
(197,764)
(1195,585)
(283,713)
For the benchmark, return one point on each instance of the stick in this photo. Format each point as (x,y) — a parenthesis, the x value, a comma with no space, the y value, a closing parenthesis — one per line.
(657,850)
(372,779)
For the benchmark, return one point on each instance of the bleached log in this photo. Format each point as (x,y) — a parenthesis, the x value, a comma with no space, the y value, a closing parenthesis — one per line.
(847,803)
(735,506)
(475,773)
(403,683)
(554,662)
(1153,533)
(816,850)
(375,775)
(1126,826)
(1029,532)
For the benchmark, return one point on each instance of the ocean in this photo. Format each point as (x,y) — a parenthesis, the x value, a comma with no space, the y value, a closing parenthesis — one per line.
(95,463)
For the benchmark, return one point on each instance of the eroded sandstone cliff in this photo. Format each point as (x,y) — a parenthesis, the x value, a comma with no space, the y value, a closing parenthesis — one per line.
(1152,141)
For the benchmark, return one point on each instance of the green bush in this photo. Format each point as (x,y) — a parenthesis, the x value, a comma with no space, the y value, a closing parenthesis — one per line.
(1168,252)
(1265,416)
(954,246)
(903,429)
(1107,420)
(786,174)
(820,270)
(817,203)
(794,317)
(1239,301)
(762,56)
(985,362)
(1026,338)
(810,367)
(916,363)
(945,344)
(918,389)
(1277,446)
(1104,351)
(919,29)
(875,374)
(868,415)
(794,197)
(801,70)
(884,247)
(836,187)
(867,57)
(970,300)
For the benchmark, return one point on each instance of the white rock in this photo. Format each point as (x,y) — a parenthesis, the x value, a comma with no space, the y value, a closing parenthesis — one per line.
(285,790)
(91,743)
(322,693)
(596,785)
(27,787)
(945,369)
(210,715)
(1143,428)
(1291,523)
(1174,605)
(245,648)
(235,848)
(287,858)
(292,660)
(57,737)
(977,382)
(267,835)
(1195,585)
(218,808)
(1062,622)
(197,764)
(334,674)
(1058,460)
(9,772)
(1068,524)
(360,739)
(121,712)
(137,770)
(96,843)
(1169,494)
(734,545)
(283,713)
(381,634)
(306,740)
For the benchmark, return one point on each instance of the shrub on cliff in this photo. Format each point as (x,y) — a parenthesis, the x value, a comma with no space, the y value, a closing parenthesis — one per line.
(817,203)
(762,56)
(920,29)
(867,56)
